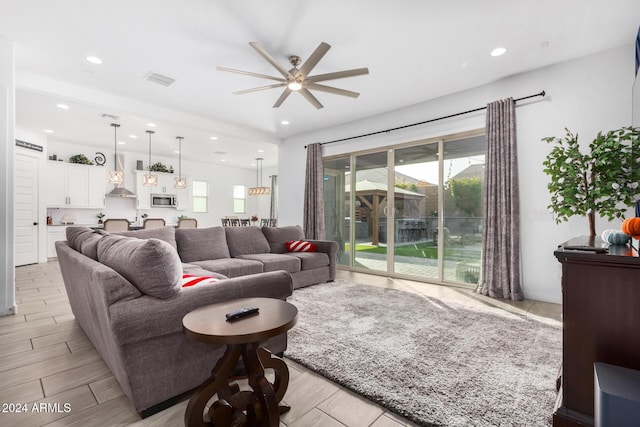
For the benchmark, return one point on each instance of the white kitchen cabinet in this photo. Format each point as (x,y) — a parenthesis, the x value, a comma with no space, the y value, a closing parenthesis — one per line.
(71,185)
(143,193)
(165,186)
(54,234)
(97,187)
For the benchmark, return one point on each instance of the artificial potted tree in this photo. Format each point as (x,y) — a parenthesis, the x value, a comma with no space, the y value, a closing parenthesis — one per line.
(603,181)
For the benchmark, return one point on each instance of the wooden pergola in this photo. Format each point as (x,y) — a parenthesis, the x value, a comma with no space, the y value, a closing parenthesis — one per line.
(373,194)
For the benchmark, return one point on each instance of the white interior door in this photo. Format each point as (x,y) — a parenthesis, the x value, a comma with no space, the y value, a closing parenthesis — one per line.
(26,210)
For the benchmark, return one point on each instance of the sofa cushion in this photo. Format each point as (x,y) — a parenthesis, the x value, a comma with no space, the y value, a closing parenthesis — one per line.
(168,234)
(275,262)
(279,236)
(85,240)
(246,241)
(231,267)
(198,244)
(151,265)
(311,260)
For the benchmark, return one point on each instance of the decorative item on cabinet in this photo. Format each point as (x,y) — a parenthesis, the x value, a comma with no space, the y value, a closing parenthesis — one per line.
(100,215)
(81,159)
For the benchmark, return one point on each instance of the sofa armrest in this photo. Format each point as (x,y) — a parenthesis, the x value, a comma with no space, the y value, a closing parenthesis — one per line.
(331,249)
(147,317)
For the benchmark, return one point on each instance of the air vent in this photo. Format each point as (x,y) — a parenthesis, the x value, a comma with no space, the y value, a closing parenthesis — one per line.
(159,78)
(220,152)
(109,116)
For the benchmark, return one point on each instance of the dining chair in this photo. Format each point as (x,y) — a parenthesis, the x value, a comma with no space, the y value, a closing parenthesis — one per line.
(226,222)
(245,222)
(235,222)
(187,223)
(264,222)
(115,225)
(153,223)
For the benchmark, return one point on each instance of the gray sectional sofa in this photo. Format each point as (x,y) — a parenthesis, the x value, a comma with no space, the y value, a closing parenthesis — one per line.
(125,292)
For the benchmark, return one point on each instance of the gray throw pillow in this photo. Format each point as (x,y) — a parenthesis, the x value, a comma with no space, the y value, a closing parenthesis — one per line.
(151,265)
(168,234)
(246,241)
(278,236)
(199,244)
(85,240)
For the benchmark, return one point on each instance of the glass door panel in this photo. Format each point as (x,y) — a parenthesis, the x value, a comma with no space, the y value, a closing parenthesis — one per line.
(369,214)
(416,182)
(337,204)
(463,217)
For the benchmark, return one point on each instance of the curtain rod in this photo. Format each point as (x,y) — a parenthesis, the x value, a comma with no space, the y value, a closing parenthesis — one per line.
(543,93)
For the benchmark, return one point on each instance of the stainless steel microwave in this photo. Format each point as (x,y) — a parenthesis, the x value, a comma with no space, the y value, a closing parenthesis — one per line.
(163,201)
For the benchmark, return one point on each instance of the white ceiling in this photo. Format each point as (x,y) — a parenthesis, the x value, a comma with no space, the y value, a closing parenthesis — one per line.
(415,50)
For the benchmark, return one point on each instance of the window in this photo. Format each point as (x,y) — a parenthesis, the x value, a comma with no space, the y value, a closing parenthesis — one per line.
(200,196)
(239,199)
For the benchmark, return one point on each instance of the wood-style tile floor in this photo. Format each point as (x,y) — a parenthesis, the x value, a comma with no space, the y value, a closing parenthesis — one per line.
(51,375)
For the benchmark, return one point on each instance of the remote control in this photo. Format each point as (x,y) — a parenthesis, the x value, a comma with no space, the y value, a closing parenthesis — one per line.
(242,312)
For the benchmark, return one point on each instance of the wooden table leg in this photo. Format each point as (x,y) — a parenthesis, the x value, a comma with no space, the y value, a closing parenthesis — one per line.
(260,407)
(194,415)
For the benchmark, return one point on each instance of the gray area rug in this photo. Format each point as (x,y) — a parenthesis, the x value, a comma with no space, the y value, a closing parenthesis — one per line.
(435,362)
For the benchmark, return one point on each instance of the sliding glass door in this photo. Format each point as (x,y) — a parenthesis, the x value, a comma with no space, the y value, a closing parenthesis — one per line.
(410,211)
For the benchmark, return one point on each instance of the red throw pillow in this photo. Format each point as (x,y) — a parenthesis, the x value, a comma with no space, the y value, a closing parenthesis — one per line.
(301,246)
(191,280)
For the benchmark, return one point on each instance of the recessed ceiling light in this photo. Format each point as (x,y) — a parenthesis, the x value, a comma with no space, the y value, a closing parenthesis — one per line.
(94,60)
(176,151)
(253,164)
(223,160)
(151,125)
(48,131)
(498,51)
(133,136)
(63,106)
(121,143)
(214,138)
(284,122)
(260,151)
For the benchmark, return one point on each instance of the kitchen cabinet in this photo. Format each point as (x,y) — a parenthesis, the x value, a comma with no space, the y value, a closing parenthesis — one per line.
(55,233)
(71,185)
(165,186)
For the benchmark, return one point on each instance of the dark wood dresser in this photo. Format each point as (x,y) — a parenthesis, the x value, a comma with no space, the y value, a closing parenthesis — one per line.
(600,319)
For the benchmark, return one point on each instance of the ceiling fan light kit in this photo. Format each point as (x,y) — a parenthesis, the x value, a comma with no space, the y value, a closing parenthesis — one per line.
(298,79)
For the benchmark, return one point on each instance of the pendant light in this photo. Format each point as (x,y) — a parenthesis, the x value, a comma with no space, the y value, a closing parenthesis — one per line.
(115,176)
(180,182)
(259,190)
(150,180)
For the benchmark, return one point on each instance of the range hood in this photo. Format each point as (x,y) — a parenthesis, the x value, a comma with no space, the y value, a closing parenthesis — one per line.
(118,189)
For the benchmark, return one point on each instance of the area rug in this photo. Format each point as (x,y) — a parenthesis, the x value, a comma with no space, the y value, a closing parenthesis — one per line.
(435,362)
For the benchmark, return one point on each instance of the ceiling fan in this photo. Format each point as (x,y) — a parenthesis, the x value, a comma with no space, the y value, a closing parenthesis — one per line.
(298,79)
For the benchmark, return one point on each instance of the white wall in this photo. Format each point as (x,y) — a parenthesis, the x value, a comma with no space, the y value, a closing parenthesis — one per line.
(7,144)
(220,178)
(586,95)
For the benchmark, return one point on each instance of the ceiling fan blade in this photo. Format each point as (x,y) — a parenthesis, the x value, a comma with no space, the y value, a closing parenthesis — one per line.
(256,89)
(333,90)
(284,96)
(271,60)
(313,60)
(312,99)
(249,73)
(337,75)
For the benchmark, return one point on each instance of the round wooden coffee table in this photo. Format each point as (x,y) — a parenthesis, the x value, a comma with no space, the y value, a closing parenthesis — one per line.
(244,338)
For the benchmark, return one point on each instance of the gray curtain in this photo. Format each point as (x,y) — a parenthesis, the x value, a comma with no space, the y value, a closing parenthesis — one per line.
(313,194)
(500,275)
(273,209)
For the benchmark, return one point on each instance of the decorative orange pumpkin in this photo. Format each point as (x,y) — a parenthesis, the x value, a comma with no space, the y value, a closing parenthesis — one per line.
(631,226)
